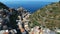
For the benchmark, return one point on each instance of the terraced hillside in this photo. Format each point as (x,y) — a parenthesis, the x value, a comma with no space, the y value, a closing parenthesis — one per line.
(48,16)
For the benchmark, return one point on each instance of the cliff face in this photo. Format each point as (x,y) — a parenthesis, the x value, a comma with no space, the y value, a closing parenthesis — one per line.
(48,16)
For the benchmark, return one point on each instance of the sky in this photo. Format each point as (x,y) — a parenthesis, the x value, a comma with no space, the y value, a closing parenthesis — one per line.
(29,0)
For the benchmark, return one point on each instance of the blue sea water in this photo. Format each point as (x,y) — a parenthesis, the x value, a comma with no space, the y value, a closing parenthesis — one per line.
(31,6)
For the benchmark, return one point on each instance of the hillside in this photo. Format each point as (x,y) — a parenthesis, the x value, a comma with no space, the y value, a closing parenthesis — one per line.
(48,16)
(3,6)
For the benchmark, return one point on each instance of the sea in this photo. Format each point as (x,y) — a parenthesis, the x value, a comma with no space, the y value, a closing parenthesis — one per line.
(31,6)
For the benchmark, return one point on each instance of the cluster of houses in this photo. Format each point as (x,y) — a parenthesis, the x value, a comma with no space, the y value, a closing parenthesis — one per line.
(21,19)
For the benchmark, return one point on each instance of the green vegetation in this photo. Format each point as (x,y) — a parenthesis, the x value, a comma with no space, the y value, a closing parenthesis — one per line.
(58,33)
(3,6)
(12,17)
(48,16)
